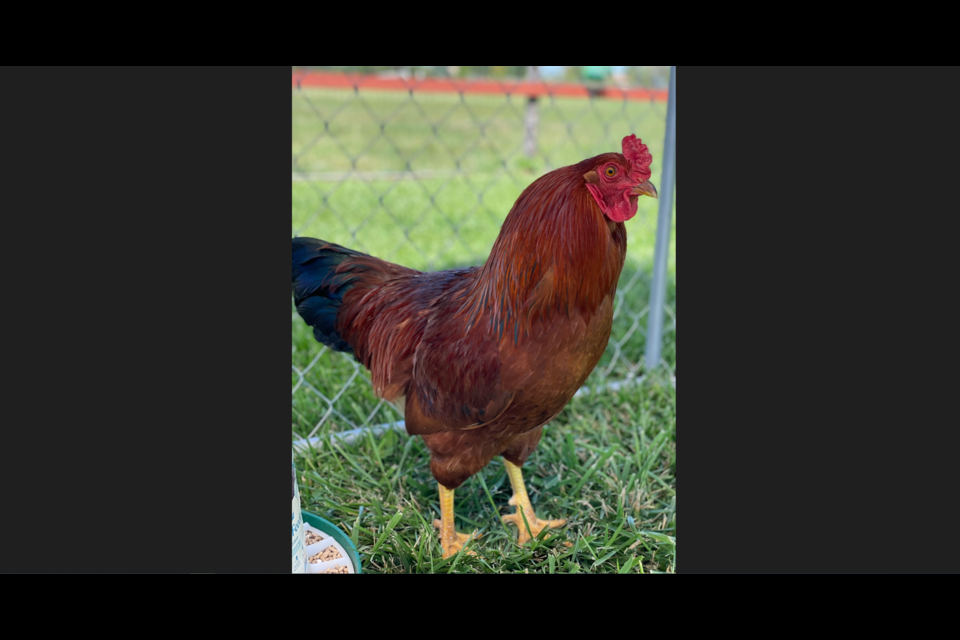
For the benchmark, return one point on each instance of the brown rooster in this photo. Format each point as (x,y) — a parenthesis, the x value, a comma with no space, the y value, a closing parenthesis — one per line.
(483,358)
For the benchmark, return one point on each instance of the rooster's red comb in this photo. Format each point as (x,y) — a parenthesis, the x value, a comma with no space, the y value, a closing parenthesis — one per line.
(638,156)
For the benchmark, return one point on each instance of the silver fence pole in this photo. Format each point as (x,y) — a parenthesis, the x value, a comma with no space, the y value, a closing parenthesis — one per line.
(658,290)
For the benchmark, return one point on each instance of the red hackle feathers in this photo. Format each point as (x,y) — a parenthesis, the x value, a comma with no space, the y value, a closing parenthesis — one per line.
(552,255)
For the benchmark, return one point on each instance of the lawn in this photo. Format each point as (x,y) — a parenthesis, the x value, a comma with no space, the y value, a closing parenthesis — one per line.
(426,181)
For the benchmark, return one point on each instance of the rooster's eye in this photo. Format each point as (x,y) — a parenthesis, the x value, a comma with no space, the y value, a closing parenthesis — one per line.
(611,171)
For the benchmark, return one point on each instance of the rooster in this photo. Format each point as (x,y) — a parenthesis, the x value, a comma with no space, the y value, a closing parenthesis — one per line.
(480,359)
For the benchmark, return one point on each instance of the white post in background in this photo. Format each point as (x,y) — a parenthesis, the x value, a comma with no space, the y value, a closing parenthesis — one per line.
(531,118)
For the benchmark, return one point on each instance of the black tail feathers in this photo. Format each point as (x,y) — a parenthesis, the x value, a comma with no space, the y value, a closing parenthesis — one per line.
(318,290)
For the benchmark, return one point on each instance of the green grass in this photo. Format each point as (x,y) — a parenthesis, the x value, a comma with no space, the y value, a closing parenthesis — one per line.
(468,176)
(607,464)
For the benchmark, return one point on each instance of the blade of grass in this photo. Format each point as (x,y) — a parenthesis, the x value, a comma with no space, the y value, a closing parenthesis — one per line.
(660,537)
(496,512)
(383,536)
(600,561)
(593,468)
(355,534)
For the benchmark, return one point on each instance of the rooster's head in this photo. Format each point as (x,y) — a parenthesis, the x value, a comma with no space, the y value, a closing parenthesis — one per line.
(617,180)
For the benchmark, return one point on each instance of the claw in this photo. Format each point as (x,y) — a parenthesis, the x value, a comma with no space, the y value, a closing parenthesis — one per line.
(536,526)
(450,539)
(522,502)
(452,544)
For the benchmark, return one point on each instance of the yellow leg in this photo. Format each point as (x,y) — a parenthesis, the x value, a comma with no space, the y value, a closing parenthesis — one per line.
(533,526)
(450,540)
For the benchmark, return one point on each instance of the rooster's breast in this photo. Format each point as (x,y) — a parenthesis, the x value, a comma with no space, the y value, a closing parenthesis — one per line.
(547,366)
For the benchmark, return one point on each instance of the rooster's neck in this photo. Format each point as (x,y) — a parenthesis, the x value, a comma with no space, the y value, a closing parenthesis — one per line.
(556,253)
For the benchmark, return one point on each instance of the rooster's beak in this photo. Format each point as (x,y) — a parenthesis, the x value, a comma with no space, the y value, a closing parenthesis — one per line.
(645,188)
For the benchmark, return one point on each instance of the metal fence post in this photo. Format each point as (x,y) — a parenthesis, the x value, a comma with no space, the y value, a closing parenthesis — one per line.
(658,289)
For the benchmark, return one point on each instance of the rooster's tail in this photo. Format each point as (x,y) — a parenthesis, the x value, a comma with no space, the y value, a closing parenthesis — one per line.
(318,289)
(323,275)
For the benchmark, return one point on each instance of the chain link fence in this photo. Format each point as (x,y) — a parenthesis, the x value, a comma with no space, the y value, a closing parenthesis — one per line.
(420,166)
